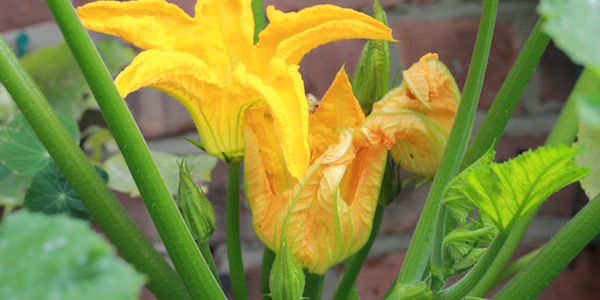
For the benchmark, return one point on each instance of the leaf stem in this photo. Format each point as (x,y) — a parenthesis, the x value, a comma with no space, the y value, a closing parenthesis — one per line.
(267,263)
(97,198)
(314,286)
(180,245)
(355,263)
(421,245)
(555,256)
(232,228)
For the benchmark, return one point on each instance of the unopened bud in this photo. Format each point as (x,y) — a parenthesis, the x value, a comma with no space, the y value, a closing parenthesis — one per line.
(287,279)
(198,213)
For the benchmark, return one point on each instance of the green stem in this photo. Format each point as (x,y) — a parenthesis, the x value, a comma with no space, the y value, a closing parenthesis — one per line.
(267,263)
(563,132)
(314,286)
(420,247)
(180,245)
(98,199)
(516,266)
(259,18)
(207,254)
(555,256)
(508,96)
(355,263)
(234,248)
(463,286)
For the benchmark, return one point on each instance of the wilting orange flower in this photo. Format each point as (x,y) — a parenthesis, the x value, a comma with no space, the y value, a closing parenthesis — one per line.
(210,64)
(429,98)
(326,214)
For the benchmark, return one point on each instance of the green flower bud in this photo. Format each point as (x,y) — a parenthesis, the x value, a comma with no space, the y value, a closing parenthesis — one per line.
(372,74)
(198,213)
(287,280)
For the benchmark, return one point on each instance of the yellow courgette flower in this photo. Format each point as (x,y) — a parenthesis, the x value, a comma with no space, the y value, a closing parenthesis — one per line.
(428,98)
(210,64)
(326,215)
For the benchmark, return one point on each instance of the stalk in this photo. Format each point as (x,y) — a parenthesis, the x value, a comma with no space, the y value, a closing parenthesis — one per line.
(232,228)
(180,245)
(314,286)
(95,195)
(421,245)
(267,263)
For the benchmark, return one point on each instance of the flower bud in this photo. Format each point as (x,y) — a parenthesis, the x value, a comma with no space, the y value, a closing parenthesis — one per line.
(198,213)
(371,78)
(287,279)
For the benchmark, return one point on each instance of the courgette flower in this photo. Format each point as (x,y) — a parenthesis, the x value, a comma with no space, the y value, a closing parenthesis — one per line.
(209,62)
(326,215)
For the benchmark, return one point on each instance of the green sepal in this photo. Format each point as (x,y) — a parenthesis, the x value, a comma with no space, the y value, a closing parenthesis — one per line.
(372,74)
(198,213)
(286,280)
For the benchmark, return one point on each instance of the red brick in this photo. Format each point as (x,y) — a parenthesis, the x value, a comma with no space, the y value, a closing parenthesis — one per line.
(453,40)
(377,275)
(558,75)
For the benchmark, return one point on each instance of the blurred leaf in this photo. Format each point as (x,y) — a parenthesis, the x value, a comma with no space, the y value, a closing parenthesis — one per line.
(589,141)
(21,150)
(7,105)
(120,178)
(51,193)
(55,71)
(573,25)
(506,192)
(96,140)
(588,108)
(12,188)
(57,257)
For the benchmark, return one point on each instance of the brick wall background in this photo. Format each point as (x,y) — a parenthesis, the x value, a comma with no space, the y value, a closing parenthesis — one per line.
(447,27)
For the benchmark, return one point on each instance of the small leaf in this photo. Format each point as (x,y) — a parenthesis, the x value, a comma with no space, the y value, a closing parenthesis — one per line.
(7,105)
(573,25)
(21,150)
(506,192)
(12,188)
(120,178)
(51,193)
(588,140)
(57,257)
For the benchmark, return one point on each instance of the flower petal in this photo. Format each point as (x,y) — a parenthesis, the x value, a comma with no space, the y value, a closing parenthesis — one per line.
(291,35)
(338,109)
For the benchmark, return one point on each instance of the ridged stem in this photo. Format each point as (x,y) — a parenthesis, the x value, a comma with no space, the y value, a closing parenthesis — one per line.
(232,228)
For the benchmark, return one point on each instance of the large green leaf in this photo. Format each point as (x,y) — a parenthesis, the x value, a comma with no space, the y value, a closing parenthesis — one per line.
(55,71)
(21,150)
(57,257)
(51,193)
(120,178)
(573,25)
(506,192)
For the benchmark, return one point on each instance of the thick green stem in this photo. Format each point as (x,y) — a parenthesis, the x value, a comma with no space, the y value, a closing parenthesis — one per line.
(234,247)
(355,263)
(516,266)
(555,256)
(420,247)
(508,96)
(98,199)
(563,132)
(463,286)
(314,286)
(207,254)
(267,263)
(180,245)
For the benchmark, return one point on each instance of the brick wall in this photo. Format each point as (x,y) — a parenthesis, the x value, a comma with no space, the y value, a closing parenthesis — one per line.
(446,27)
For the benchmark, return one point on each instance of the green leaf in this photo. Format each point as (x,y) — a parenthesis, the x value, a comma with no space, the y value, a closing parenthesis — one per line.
(51,193)
(7,105)
(372,74)
(120,178)
(55,71)
(588,108)
(588,140)
(506,192)
(57,257)
(12,188)
(573,25)
(21,150)
(97,141)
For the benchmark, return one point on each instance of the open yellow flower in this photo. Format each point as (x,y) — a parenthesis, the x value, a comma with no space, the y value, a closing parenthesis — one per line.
(327,214)
(210,64)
